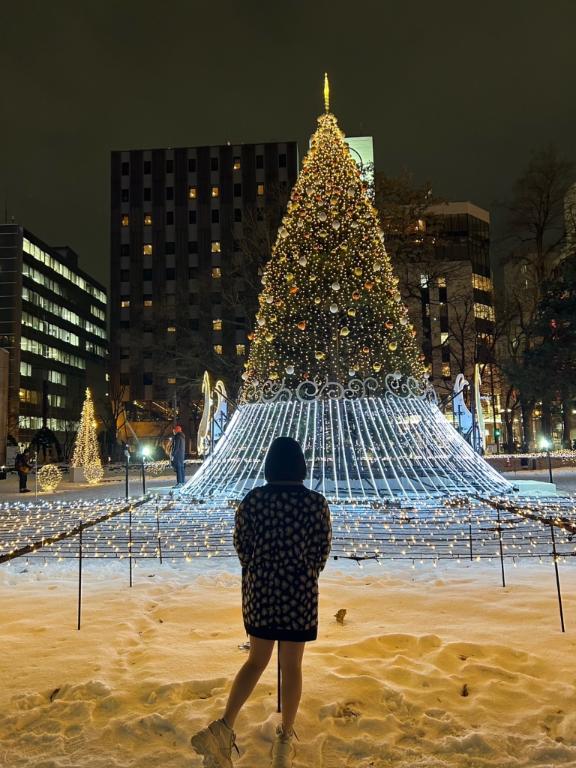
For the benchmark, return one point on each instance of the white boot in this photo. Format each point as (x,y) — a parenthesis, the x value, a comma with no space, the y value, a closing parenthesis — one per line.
(283,749)
(215,744)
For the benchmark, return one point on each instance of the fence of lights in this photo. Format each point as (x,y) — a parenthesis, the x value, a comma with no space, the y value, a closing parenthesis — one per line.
(459,528)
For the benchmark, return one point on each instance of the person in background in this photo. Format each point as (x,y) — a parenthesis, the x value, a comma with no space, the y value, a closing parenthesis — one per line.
(177,454)
(282,536)
(23,467)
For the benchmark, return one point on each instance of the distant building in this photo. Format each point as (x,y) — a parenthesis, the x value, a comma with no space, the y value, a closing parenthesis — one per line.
(362,151)
(186,227)
(451,303)
(53,324)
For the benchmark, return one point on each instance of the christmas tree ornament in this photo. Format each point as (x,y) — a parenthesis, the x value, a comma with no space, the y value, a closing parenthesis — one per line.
(344,331)
(294,290)
(358,271)
(302,261)
(322,216)
(319,355)
(352,312)
(333,308)
(377,367)
(289,369)
(356,295)
(389,324)
(302,325)
(393,346)
(335,286)
(317,300)
(336,225)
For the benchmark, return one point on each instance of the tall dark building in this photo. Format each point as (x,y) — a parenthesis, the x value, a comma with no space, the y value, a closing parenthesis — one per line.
(183,222)
(53,324)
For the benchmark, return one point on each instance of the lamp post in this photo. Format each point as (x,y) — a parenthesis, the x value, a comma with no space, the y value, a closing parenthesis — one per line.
(546,445)
(127,463)
(145,454)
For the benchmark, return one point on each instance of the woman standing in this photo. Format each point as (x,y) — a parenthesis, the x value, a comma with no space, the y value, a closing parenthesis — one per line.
(282,536)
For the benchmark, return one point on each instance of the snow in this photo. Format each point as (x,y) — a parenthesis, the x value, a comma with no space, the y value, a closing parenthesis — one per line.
(433,667)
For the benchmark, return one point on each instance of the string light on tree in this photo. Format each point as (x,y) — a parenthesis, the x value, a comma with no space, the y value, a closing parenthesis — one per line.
(86,451)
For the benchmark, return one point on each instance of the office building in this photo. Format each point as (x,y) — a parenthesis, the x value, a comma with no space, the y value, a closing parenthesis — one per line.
(53,325)
(190,229)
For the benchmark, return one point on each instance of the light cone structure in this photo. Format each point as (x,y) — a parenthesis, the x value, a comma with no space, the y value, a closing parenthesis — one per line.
(334,361)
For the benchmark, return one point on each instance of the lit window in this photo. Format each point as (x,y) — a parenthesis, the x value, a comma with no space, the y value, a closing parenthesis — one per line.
(217,325)
(29,396)
(240,349)
(25,369)
(171,380)
(147,302)
(171,329)
(237,165)
(125,303)
(147,220)
(125,221)
(192,192)
(215,191)
(446,370)
(216,273)
(424,281)
(218,349)
(481,283)
(147,249)
(484,311)
(420,225)
(443,338)
(441,282)
(260,189)
(215,246)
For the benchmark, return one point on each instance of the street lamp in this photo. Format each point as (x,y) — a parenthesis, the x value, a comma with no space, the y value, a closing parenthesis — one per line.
(127,465)
(145,454)
(546,445)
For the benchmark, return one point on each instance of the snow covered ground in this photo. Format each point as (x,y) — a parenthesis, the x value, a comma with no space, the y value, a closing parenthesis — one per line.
(433,667)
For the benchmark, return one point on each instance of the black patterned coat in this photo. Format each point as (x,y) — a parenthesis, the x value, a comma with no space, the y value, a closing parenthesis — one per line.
(282,536)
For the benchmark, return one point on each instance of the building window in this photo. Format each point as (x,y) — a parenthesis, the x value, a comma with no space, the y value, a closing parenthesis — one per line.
(125,250)
(259,161)
(215,192)
(446,370)
(147,167)
(147,249)
(240,349)
(147,194)
(170,247)
(215,248)
(124,275)
(171,329)
(146,274)
(147,379)
(125,195)
(192,246)
(125,221)
(237,164)
(215,215)
(213,163)
(481,283)
(191,217)
(169,166)
(216,273)
(25,369)
(484,311)
(441,282)
(194,324)
(125,303)
(192,165)
(192,193)
(171,380)
(282,163)
(169,193)
(260,189)
(237,215)
(55,377)
(147,220)
(125,169)
(171,273)
(217,324)
(192,272)
(237,190)
(169,217)
(424,280)
(443,338)
(147,302)
(29,396)
(218,349)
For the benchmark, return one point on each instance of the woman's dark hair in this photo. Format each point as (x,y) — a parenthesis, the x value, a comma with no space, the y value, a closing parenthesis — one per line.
(284,461)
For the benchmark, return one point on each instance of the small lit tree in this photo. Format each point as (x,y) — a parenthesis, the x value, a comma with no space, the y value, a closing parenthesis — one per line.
(86,451)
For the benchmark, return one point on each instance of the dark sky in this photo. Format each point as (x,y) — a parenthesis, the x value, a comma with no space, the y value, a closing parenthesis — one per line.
(457,92)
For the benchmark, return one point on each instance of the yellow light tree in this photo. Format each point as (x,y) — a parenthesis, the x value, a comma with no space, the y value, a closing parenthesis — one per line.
(330,308)
(86,451)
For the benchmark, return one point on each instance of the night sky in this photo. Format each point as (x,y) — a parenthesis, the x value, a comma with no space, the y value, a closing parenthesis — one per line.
(459,93)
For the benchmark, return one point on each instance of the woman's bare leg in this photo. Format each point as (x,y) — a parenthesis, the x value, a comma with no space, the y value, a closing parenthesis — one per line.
(246,679)
(291,666)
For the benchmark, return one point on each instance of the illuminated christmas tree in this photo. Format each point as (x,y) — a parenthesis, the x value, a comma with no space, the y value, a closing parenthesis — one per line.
(86,451)
(330,308)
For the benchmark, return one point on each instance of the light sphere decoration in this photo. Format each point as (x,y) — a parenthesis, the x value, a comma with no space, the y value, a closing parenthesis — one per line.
(93,473)
(49,477)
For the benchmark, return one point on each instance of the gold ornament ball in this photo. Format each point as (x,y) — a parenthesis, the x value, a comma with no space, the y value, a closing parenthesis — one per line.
(49,477)
(356,295)
(335,286)
(344,331)
(290,277)
(389,324)
(319,355)
(269,337)
(294,290)
(302,325)
(317,299)
(393,346)
(377,367)
(322,216)
(352,312)
(358,271)
(365,350)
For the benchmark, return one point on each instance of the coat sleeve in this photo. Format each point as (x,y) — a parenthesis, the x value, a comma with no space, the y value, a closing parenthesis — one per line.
(243,533)
(322,538)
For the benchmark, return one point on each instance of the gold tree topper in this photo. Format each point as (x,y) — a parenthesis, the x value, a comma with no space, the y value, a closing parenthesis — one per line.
(326,93)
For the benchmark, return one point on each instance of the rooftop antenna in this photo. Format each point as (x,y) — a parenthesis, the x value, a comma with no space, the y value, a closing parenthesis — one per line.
(326,93)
